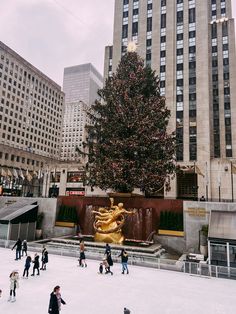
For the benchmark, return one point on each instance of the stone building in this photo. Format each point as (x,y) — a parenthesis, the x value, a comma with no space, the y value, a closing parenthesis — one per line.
(31,113)
(191,45)
(80,84)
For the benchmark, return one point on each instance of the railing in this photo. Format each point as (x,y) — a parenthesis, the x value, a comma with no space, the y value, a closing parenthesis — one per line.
(196,269)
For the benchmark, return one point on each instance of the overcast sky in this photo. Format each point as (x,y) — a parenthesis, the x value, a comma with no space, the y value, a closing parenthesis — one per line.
(53,34)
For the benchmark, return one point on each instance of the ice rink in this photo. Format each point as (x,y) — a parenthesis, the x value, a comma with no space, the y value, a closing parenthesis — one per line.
(143,291)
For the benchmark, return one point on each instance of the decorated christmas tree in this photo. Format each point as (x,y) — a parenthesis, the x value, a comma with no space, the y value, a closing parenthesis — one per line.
(128,146)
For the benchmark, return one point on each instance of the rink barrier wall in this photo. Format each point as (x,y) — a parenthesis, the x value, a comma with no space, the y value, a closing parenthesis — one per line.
(191,268)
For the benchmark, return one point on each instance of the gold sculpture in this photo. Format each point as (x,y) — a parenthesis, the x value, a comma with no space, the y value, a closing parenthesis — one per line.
(108,223)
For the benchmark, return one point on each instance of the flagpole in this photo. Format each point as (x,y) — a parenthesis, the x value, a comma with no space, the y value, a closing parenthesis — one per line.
(232,181)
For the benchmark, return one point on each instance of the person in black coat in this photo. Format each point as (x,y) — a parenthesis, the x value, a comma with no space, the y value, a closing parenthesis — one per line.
(107,249)
(27,267)
(24,248)
(36,264)
(55,301)
(18,245)
(109,262)
(44,258)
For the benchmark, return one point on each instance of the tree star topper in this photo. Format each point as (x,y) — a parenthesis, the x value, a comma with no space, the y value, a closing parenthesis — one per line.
(132,46)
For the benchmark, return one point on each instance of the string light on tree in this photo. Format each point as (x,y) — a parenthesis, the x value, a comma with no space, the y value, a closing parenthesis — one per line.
(128,145)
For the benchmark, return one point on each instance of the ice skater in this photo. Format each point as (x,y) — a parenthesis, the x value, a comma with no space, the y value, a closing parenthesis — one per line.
(27,267)
(82,258)
(124,261)
(18,245)
(100,269)
(44,259)
(55,301)
(36,264)
(24,248)
(107,267)
(107,249)
(14,284)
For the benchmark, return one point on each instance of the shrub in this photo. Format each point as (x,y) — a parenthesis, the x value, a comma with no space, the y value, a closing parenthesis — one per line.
(171,221)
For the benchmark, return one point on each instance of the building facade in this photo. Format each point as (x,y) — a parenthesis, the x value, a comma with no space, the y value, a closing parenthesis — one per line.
(80,84)
(31,112)
(191,45)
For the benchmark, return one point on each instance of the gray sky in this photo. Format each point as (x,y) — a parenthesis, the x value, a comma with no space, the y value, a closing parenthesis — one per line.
(53,34)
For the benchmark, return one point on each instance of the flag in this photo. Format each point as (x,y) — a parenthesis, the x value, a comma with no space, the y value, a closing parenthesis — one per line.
(187,169)
(3,173)
(28,175)
(233,169)
(198,171)
(21,174)
(15,173)
(9,173)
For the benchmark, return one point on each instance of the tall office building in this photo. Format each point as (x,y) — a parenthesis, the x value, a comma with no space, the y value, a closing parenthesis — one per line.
(191,45)
(31,110)
(80,85)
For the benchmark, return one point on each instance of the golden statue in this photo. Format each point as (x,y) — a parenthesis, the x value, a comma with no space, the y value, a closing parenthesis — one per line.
(108,223)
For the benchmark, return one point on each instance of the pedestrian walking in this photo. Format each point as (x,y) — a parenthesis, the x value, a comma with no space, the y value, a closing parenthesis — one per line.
(55,301)
(124,261)
(14,284)
(36,264)
(24,248)
(18,245)
(44,259)
(27,266)
(82,258)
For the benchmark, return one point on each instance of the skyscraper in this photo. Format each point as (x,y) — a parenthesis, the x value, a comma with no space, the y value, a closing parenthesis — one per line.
(80,84)
(191,45)
(31,109)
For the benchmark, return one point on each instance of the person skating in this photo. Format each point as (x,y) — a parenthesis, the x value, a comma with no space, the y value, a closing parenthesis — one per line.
(18,245)
(100,269)
(44,258)
(124,261)
(55,301)
(14,284)
(107,249)
(107,267)
(36,264)
(82,258)
(24,248)
(27,266)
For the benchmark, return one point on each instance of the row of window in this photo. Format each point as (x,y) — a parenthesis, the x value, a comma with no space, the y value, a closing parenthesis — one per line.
(23,160)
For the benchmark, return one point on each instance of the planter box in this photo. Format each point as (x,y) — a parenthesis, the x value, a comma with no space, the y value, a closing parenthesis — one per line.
(171,233)
(65,224)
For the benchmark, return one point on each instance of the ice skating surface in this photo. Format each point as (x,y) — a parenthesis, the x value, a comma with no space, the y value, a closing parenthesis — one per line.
(143,291)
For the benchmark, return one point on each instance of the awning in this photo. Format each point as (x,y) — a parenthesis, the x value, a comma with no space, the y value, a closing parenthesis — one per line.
(8,215)
(222,225)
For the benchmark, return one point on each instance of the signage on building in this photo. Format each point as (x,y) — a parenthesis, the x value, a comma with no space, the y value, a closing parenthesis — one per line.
(196,212)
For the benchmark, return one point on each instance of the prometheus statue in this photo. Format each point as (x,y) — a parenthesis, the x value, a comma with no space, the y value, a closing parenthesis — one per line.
(108,223)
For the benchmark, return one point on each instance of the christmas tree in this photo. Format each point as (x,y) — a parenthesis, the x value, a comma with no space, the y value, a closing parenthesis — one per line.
(128,146)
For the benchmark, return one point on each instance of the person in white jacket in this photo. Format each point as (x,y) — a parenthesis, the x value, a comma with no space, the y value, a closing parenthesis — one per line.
(14,284)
